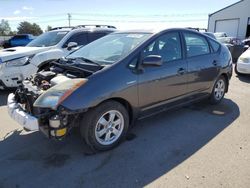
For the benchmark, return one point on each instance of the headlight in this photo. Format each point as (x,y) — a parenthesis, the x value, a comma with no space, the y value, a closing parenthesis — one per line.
(245,60)
(18,62)
(57,94)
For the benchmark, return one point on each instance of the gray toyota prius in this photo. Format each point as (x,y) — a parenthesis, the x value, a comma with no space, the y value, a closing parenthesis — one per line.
(103,87)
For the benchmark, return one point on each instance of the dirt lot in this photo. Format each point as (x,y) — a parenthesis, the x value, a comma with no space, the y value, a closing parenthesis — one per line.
(196,146)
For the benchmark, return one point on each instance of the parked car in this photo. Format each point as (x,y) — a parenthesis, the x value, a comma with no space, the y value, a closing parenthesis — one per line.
(18,40)
(220,34)
(235,46)
(246,43)
(106,85)
(21,62)
(210,34)
(243,64)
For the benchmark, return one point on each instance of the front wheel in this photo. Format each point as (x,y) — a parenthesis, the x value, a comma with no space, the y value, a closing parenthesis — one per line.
(104,126)
(219,90)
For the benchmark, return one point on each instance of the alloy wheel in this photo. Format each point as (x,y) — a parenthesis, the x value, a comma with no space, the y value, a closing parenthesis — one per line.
(219,89)
(109,127)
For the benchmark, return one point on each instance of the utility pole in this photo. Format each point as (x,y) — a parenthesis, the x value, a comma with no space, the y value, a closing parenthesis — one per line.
(69,18)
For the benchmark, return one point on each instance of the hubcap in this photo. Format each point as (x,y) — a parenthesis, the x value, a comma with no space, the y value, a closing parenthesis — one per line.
(109,127)
(219,89)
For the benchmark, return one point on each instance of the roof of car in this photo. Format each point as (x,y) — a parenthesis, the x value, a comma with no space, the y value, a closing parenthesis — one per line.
(91,28)
(154,31)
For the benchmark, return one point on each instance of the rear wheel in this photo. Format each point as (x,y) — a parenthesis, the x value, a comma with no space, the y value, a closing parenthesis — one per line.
(105,126)
(219,90)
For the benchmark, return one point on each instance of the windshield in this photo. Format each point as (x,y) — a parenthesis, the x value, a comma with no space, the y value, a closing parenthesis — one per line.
(48,39)
(111,48)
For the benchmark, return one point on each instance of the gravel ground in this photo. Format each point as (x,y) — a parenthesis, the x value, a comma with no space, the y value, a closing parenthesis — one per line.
(196,146)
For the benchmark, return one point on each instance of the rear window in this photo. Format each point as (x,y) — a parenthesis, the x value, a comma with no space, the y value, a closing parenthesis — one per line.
(196,45)
(215,45)
(79,38)
(94,36)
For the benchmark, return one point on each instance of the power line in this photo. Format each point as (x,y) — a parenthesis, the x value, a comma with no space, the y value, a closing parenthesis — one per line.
(139,15)
(140,21)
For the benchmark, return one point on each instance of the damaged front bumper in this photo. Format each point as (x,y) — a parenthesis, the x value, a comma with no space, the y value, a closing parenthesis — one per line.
(33,123)
(19,115)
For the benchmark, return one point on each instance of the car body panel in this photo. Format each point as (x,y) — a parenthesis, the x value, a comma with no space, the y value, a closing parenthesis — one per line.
(157,84)
(17,52)
(123,85)
(244,67)
(202,72)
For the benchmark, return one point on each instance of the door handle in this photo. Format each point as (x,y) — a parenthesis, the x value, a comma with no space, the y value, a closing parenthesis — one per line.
(215,63)
(181,71)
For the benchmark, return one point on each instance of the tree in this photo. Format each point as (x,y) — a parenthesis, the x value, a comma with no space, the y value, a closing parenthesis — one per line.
(48,28)
(28,28)
(12,33)
(4,27)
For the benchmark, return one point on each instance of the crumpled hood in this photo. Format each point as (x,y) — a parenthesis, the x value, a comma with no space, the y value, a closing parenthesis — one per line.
(16,52)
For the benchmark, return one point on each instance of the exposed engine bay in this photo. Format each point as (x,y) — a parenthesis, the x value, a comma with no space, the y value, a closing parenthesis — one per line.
(58,72)
(54,123)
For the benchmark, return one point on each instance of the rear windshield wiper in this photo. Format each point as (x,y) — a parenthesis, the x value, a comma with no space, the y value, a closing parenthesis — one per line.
(86,60)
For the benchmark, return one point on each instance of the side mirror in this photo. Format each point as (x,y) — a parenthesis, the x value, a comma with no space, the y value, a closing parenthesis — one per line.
(152,60)
(71,45)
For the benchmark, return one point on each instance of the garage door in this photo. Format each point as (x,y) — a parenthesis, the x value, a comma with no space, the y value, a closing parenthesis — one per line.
(228,26)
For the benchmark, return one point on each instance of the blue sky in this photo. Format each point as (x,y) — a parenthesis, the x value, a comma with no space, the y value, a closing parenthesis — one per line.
(123,14)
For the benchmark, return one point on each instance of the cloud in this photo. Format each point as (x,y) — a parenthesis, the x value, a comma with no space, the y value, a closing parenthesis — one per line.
(17,12)
(27,8)
(18,18)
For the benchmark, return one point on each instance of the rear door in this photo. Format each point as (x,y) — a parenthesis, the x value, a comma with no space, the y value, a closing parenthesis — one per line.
(158,84)
(203,62)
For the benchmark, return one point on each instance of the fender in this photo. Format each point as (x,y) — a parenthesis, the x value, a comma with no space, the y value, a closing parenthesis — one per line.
(122,85)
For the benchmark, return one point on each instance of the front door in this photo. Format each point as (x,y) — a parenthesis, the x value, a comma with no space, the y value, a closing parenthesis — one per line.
(158,84)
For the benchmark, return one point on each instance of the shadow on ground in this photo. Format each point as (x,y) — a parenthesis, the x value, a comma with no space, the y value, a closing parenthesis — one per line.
(244,78)
(3,97)
(159,144)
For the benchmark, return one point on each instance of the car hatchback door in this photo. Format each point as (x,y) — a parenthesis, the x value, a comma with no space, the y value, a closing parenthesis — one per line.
(157,84)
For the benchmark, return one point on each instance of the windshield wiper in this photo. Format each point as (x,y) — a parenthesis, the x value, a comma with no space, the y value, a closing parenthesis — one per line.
(86,60)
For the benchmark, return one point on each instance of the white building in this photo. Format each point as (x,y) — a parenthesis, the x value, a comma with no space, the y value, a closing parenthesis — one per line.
(234,20)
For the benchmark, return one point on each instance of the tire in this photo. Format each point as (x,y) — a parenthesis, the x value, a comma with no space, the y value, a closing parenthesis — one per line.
(105,126)
(219,90)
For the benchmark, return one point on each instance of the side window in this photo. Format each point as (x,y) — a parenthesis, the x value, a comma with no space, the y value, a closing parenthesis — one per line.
(215,45)
(95,36)
(168,46)
(79,38)
(196,45)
